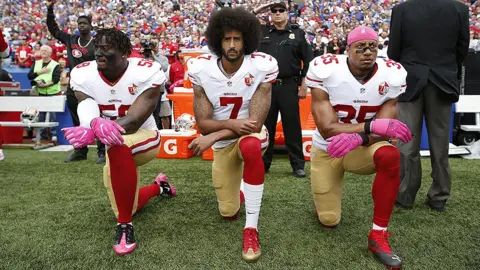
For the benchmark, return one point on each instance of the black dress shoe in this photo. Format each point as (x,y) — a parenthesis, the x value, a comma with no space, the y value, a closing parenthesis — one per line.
(101,158)
(76,156)
(436,206)
(300,173)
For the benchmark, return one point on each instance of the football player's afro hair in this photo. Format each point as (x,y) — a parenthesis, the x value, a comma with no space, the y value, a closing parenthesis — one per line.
(116,38)
(228,19)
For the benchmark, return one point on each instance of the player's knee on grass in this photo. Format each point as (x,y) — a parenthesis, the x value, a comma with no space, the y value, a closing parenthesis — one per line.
(327,202)
(228,209)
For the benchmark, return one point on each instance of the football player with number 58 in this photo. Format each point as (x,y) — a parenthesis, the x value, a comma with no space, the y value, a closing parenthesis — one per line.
(117,97)
(232,92)
(354,104)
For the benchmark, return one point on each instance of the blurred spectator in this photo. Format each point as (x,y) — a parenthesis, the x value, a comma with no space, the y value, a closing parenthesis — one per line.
(4,75)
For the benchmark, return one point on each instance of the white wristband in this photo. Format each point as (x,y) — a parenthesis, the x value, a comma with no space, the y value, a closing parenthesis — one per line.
(87,111)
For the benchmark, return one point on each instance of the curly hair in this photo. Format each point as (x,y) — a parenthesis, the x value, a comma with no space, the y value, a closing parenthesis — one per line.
(228,19)
(116,38)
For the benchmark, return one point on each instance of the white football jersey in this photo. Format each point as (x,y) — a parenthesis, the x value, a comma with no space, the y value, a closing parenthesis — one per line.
(353,101)
(114,99)
(231,97)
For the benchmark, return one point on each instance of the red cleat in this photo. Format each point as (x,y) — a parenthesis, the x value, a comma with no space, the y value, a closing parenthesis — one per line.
(251,246)
(379,246)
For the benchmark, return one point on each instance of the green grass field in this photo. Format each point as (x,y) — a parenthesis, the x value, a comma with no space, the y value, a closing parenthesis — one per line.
(57,216)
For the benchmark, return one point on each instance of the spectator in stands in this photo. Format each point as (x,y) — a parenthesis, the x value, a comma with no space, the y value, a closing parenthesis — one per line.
(64,76)
(4,75)
(335,46)
(432,52)
(24,54)
(45,77)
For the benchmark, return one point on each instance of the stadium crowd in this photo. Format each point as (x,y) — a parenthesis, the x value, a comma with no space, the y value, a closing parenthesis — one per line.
(166,26)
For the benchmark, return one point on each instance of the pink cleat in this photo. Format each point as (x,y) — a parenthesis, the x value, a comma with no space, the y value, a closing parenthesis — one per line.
(124,239)
(167,188)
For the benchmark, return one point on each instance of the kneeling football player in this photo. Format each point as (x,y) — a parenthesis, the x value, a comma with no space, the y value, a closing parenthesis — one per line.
(354,104)
(117,97)
(232,92)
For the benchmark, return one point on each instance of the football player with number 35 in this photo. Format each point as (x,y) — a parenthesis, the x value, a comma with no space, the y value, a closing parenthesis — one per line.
(354,104)
(232,93)
(117,97)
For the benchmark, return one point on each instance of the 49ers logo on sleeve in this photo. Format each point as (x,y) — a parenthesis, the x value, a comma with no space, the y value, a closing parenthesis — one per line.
(383,88)
(249,79)
(133,89)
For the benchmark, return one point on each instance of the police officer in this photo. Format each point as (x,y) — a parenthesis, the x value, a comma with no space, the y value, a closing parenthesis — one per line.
(287,43)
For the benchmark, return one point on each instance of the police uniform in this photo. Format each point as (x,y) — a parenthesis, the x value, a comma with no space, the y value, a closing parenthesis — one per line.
(290,47)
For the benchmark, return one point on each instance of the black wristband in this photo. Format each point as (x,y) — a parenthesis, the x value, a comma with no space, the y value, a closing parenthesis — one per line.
(365,138)
(366,126)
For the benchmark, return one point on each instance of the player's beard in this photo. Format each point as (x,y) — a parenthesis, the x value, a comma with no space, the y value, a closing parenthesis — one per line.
(234,59)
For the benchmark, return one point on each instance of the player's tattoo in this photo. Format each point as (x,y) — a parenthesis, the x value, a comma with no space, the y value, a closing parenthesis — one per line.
(202,108)
(260,103)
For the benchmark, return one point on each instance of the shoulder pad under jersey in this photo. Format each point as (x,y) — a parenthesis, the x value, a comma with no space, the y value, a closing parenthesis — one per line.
(263,61)
(320,69)
(195,65)
(83,71)
(396,74)
(144,69)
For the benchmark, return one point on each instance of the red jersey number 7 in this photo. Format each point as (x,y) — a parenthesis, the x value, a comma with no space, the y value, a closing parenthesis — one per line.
(237,104)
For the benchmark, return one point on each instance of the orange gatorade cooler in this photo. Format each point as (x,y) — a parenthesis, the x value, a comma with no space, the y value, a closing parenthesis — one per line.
(175,144)
(307,136)
(182,99)
(208,155)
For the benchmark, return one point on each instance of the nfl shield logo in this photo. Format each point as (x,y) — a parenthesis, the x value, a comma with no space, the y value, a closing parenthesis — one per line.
(249,79)
(383,88)
(132,89)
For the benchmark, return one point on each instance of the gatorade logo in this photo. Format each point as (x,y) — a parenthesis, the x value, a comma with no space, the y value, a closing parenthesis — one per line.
(170,146)
(306,148)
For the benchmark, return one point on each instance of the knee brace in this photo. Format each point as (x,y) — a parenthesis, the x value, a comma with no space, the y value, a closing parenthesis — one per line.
(327,197)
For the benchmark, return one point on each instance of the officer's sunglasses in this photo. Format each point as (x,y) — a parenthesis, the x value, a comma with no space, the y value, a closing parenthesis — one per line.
(280,10)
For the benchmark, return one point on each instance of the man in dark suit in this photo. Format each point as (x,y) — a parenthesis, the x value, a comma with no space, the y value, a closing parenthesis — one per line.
(430,39)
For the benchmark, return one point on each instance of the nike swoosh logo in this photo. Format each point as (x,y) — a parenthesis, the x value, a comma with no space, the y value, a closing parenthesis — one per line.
(129,245)
(250,213)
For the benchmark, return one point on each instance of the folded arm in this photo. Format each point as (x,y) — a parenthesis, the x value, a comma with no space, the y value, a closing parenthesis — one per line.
(260,105)
(203,110)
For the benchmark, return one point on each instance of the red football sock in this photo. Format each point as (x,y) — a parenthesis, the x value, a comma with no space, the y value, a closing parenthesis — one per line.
(386,184)
(254,171)
(146,193)
(123,173)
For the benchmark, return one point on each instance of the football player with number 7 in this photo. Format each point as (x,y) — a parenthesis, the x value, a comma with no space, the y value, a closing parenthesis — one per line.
(232,93)
(117,97)
(354,104)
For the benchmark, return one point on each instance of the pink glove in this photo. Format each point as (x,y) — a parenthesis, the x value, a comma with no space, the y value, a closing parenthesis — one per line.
(79,136)
(391,128)
(107,131)
(342,144)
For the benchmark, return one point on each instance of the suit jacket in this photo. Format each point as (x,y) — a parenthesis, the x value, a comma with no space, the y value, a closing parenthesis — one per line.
(430,39)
